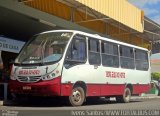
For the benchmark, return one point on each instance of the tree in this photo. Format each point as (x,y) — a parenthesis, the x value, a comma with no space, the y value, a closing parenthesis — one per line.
(155,76)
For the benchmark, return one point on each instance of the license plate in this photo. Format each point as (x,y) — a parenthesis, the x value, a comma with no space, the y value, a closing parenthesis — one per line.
(27,88)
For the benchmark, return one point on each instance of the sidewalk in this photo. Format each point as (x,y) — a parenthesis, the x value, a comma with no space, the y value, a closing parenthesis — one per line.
(145,96)
(9,102)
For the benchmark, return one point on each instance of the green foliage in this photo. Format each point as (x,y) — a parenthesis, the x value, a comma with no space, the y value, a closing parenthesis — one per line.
(155,76)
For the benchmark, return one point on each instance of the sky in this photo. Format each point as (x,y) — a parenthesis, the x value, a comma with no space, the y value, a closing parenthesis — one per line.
(150,7)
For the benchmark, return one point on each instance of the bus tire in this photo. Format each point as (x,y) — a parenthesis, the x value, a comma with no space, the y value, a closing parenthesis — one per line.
(125,98)
(77,97)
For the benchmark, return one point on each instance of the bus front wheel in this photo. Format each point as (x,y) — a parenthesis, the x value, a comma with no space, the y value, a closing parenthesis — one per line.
(77,97)
(125,98)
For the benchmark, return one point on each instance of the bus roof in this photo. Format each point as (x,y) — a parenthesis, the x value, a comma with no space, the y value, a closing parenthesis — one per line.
(97,37)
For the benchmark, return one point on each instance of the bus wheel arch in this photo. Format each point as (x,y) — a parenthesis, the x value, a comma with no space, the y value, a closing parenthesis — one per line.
(78,94)
(130,87)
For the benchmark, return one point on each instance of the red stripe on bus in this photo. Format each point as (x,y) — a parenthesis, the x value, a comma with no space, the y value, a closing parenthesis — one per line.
(106,89)
(55,88)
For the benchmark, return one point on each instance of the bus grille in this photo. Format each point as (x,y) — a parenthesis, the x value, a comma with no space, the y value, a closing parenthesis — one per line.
(28,79)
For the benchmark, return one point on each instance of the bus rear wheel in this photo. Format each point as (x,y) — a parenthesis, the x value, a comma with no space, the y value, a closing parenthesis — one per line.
(77,97)
(125,98)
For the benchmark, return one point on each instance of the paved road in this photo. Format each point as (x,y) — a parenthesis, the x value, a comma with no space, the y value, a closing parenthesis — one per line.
(55,108)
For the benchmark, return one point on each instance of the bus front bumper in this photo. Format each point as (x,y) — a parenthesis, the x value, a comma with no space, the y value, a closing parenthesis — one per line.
(41,88)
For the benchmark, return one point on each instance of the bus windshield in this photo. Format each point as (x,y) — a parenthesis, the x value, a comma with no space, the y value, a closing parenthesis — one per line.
(44,48)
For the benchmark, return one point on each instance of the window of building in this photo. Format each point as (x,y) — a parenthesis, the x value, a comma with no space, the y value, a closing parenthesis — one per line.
(94,51)
(110,56)
(127,57)
(141,60)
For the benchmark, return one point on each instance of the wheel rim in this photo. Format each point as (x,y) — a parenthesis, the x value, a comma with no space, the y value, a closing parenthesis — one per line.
(76,96)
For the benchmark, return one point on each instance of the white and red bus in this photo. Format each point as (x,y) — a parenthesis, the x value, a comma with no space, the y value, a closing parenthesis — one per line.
(78,65)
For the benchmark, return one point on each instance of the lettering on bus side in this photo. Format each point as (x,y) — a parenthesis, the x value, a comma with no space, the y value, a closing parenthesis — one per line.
(112,74)
(29,72)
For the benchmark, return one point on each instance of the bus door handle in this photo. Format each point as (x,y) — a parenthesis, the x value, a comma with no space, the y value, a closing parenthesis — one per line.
(95,66)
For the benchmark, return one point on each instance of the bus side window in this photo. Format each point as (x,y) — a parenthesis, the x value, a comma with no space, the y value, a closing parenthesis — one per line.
(141,59)
(110,57)
(94,52)
(127,57)
(76,53)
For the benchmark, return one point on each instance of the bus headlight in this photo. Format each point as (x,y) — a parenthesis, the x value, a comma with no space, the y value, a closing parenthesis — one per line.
(48,77)
(12,77)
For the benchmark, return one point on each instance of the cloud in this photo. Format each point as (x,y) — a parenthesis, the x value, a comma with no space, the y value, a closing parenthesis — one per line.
(151,1)
(150,7)
(142,3)
(149,11)
(156,19)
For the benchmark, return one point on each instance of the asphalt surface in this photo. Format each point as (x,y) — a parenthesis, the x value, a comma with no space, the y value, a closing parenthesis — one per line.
(146,106)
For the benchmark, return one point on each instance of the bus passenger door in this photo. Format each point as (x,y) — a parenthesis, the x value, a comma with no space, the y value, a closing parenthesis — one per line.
(74,64)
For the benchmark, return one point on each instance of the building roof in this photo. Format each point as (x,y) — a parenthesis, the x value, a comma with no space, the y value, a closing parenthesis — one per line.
(149,31)
(20,17)
(118,10)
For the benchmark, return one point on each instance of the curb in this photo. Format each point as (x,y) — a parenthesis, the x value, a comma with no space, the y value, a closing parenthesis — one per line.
(6,103)
(1,103)
(145,97)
